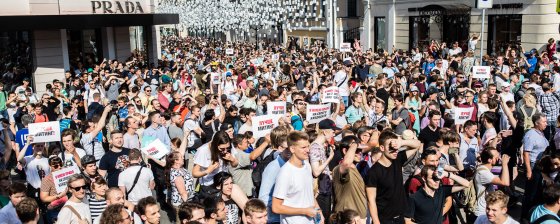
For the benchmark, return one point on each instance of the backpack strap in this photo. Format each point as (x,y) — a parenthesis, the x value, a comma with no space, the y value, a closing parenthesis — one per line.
(546,217)
(73,210)
(134,183)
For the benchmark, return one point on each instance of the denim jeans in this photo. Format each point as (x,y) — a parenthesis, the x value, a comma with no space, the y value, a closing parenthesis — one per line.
(4,114)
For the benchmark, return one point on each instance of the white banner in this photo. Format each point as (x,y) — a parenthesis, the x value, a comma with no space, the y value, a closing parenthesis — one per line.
(276,108)
(61,177)
(156,149)
(316,113)
(45,131)
(481,72)
(229,51)
(215,77)
(330,95)
(345,47)
(463,114)
(264,124)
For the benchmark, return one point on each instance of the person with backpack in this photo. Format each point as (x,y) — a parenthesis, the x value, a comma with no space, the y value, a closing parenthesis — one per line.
(426,205)
(136,181)
(400,118)
(547,213)
(484,181)
(75,210)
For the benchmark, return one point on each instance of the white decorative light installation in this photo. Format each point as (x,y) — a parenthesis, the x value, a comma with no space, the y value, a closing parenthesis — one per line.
(208,16)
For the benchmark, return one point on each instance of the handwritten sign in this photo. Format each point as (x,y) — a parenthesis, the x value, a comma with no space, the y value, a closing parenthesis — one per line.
(215,77)
(481,72)
(263,125)
(229,51)
(45,131)
(345,47)
(156,149)
(463,114)
(276,108)
(330,95)
(275,57)
(61,177)
(316,113)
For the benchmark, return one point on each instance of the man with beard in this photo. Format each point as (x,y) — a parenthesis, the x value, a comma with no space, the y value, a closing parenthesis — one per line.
(115,160)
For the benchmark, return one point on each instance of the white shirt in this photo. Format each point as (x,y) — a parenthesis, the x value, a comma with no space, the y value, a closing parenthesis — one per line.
(35,168)
(556,79)
(142,187)
(483,219)
(191,125)
(295,186)
(483,181)
(69,158)
(455,51)
(504,69)
(341,80)
(67,216)
(203,158)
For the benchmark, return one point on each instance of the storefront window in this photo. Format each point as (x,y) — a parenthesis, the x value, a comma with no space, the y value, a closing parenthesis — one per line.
(419,32)
(503,30)
(456,28)
(16,61)
(84,48)
(380,40)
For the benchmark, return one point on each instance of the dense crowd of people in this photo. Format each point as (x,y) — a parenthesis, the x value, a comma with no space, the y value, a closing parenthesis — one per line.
(391,149)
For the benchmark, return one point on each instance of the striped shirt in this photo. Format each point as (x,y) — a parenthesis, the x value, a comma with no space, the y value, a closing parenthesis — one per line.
(96,207)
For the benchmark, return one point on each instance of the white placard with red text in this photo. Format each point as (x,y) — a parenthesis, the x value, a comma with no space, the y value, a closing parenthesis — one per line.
(463,114)
(156,149)
(345,47)
(481,72)
(61,177)
(330,95)
(229,51)
(264,124)
(45,131)
(317,112)
(276,108)
(215,77)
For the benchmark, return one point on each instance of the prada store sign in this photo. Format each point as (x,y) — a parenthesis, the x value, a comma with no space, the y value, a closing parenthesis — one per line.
(105,6)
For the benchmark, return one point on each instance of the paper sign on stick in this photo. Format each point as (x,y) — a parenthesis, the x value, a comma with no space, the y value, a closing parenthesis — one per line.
(156,149)
(345,47)
(45,131)
(316,113)
(330,95)
(61,177)
(215,77)
(229,51)
(481,72)
(463,114)
(264,124)
(276,108)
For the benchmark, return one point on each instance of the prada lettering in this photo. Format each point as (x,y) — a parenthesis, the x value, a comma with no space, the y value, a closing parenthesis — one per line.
(114,7)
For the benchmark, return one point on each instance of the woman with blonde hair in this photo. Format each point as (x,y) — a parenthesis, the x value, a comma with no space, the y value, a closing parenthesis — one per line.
(528,108)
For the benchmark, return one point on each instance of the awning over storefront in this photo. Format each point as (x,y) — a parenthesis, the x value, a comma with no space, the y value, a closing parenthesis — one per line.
(31,22)
(433,10)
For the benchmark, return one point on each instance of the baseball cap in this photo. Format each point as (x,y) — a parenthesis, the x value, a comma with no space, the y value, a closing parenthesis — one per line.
(432,90)
(505,85)
(526,81)
(328,124)
(413,88)
(87,159)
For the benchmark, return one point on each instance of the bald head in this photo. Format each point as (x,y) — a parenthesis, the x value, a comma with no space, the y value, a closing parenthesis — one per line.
(114,196)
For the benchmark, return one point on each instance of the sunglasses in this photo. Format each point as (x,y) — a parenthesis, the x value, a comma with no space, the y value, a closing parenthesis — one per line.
(148,90)
(435,178)
(79,188)
(56,166)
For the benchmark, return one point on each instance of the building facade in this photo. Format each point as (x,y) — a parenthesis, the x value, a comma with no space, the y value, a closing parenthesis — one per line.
(406,24)
(45,38)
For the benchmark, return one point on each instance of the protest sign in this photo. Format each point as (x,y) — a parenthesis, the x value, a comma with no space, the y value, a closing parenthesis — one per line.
(275,57)
(156,149)
(262,125)
(330,95)
(481,72)
(316,113)
(463,114)
(345,47)
(274,108)
(45,131)
(61,177)
(215,77)
(229,51)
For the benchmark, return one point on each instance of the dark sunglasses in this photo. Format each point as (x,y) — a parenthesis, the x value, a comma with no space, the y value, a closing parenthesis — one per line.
(435,178)
(56,166)
(79,188)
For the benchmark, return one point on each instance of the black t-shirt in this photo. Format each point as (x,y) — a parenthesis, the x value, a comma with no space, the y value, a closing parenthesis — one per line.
(425,209)
(114,163)
(384,95)
(428,136)
(391,197)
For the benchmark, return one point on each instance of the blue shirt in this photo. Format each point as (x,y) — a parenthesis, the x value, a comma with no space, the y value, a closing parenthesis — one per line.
(159,133)
(21,139)
(354,114)
(8,214)
(267,186)
(532,61)
(534,143)
(540,211)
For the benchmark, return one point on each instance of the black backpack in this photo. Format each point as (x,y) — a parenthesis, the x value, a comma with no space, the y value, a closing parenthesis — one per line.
(546,217)
(259,169)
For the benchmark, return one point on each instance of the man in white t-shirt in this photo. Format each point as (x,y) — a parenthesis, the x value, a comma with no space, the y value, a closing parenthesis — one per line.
(145,183)
(192,126)
(293,197)
(75,211)
(93,88)
(341,80)
(502,72)
(71,156)
(485,179)
(91,139)
(36,166)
